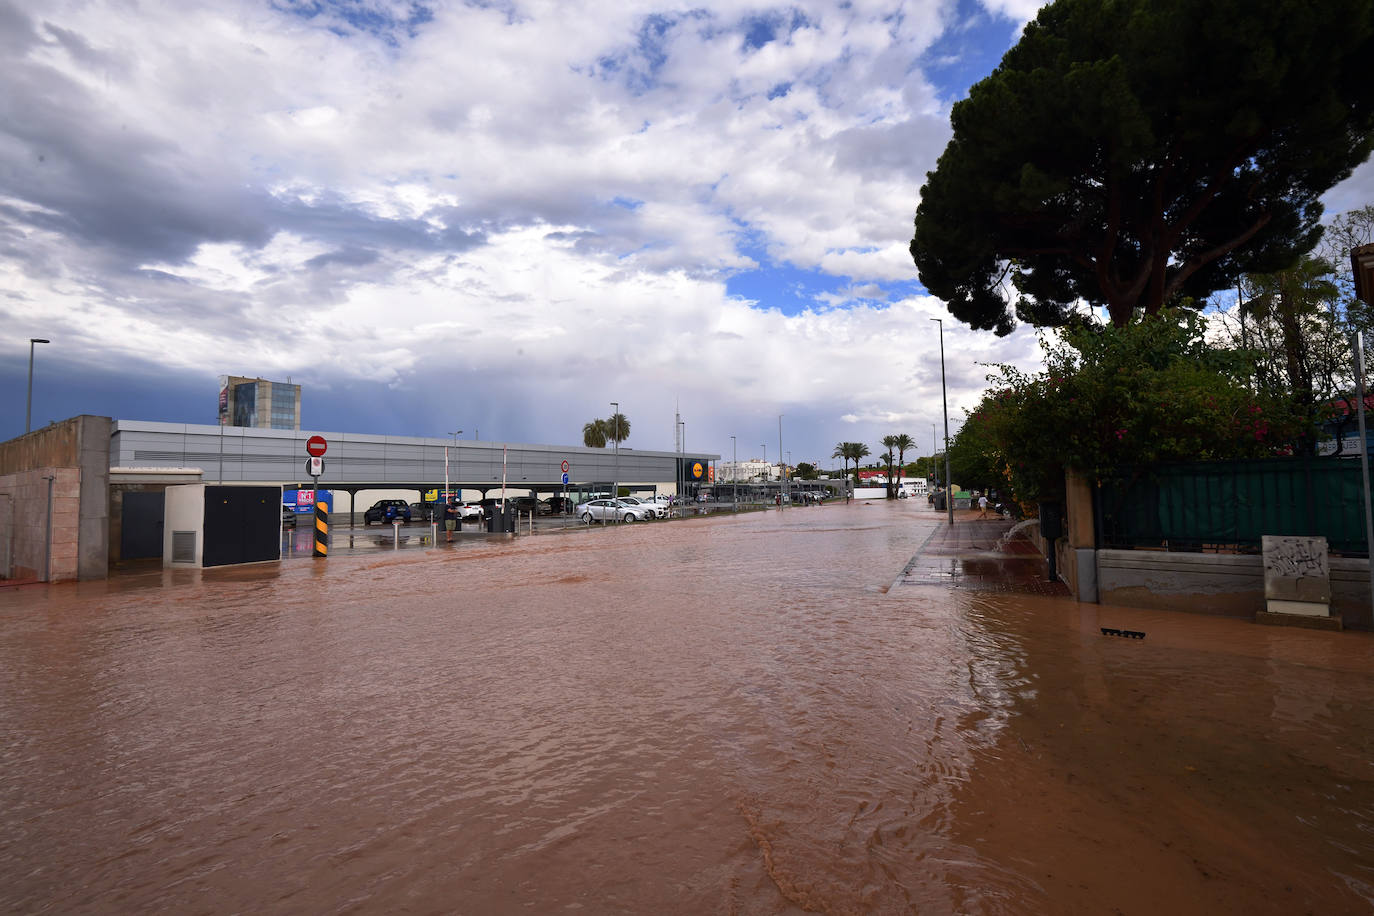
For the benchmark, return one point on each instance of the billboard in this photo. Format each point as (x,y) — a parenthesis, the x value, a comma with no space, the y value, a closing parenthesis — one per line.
(302,501)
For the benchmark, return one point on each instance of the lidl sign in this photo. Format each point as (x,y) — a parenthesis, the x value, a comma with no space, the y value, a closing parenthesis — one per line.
(697,470)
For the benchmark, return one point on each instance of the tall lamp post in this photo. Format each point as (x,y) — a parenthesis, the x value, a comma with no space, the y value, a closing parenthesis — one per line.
(447,497)
(944,397)
(28,405)
(615,430)
(734,473)
(782,489)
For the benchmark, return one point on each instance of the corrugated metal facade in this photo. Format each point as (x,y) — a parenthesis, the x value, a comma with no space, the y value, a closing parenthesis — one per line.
(235,454)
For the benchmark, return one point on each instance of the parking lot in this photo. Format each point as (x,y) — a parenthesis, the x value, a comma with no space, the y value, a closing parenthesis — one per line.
(349,535)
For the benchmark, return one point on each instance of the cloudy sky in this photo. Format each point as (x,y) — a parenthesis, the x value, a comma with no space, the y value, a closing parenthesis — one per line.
(490,216)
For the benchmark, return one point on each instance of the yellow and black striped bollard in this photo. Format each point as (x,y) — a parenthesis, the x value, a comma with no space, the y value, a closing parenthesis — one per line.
(321,528)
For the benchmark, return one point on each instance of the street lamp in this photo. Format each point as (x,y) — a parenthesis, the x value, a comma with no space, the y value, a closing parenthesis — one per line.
(782,488)
(615,433)
(28,407)
(734,473)
(944,397)
(455,436)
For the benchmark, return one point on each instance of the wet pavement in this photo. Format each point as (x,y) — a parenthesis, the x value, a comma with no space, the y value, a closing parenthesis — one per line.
(725,714)
(994,555)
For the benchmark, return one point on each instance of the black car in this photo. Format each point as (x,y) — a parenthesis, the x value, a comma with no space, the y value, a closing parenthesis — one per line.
(386,511)
(527,504)
(559,505)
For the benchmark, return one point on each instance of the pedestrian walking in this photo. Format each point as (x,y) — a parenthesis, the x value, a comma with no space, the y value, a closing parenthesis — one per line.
(983,506)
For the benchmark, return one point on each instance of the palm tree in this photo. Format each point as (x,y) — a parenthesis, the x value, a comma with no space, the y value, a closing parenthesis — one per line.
(595,433)
(903,442)
(857,452)
(890,443)
(617,428)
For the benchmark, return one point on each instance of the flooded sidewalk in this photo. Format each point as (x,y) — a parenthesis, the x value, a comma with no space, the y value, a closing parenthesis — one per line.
(994,554)
(735,714)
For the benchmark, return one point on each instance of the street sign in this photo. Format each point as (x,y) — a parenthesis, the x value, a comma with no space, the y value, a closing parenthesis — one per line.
(565,470)
(314,466)
(565,477)
(315,446)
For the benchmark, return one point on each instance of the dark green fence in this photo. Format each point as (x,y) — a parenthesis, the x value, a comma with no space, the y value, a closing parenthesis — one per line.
(1229,505)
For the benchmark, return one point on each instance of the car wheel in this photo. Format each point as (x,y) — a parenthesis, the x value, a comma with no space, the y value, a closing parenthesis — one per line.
(629,517)
(587,517)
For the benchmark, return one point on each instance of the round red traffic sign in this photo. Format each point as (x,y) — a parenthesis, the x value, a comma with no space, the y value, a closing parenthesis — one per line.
(315,446)
(565,466)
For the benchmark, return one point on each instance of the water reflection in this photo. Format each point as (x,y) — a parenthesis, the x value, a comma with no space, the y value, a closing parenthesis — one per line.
(718,714)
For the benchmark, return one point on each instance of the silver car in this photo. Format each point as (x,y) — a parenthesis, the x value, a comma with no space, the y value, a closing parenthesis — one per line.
(656,510)
(611,510)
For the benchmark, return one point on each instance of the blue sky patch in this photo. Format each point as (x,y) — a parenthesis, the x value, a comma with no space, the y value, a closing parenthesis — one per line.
(361,15)
(970,49)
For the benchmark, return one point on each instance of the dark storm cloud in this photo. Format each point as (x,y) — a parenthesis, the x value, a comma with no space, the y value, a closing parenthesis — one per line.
(346,257)
(106,183)
(16,29)
(129,197)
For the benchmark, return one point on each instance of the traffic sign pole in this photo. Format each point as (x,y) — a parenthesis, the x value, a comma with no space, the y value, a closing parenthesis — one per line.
(315,447)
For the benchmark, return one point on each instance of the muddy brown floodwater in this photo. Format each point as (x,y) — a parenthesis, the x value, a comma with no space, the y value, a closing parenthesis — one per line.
(722,715)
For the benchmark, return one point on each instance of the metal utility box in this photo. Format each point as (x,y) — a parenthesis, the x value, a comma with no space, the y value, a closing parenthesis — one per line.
(220,525)
(501,522)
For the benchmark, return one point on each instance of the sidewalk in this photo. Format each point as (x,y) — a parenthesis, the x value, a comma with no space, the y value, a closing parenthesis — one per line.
(982,555)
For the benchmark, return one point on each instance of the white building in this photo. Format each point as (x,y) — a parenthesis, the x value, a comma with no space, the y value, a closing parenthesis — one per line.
(914,486)
(755,469)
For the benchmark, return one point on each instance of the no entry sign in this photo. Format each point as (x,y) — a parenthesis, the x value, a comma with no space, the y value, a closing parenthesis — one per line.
(315,446)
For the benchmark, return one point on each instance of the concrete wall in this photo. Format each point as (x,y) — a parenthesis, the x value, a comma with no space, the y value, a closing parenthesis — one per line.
(1227,584)
(32,549)
(77,453)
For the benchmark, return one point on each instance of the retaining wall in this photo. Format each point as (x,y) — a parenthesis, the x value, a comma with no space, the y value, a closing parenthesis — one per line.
(1228,584)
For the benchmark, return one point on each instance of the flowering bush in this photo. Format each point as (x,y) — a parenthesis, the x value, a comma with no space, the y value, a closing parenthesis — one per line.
(1146,393)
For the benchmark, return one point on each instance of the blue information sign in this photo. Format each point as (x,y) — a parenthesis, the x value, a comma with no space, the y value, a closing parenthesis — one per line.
(565,477)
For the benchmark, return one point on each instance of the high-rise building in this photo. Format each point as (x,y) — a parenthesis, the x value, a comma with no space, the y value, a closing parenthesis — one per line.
(258,403)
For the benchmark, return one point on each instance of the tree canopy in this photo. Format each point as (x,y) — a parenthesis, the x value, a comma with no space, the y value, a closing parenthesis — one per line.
(599,432)
(1130,153)
(594,434)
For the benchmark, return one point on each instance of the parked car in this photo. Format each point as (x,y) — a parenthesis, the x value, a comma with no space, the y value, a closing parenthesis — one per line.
(423,512)
(559,504)
(609,510)
(658,510)
(468,512)
(384,511)
(288,517)
(526,504)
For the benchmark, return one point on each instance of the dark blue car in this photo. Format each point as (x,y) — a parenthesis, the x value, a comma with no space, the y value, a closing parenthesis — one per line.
(385,511)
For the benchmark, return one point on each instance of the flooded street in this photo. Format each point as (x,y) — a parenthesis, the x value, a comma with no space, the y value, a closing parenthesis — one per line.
(719,715)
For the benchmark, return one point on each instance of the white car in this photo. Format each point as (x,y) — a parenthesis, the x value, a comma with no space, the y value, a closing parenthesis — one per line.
(660,510)
(610,510)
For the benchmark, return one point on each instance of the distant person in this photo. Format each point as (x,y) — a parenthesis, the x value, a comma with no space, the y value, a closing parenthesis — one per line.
(983,506)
